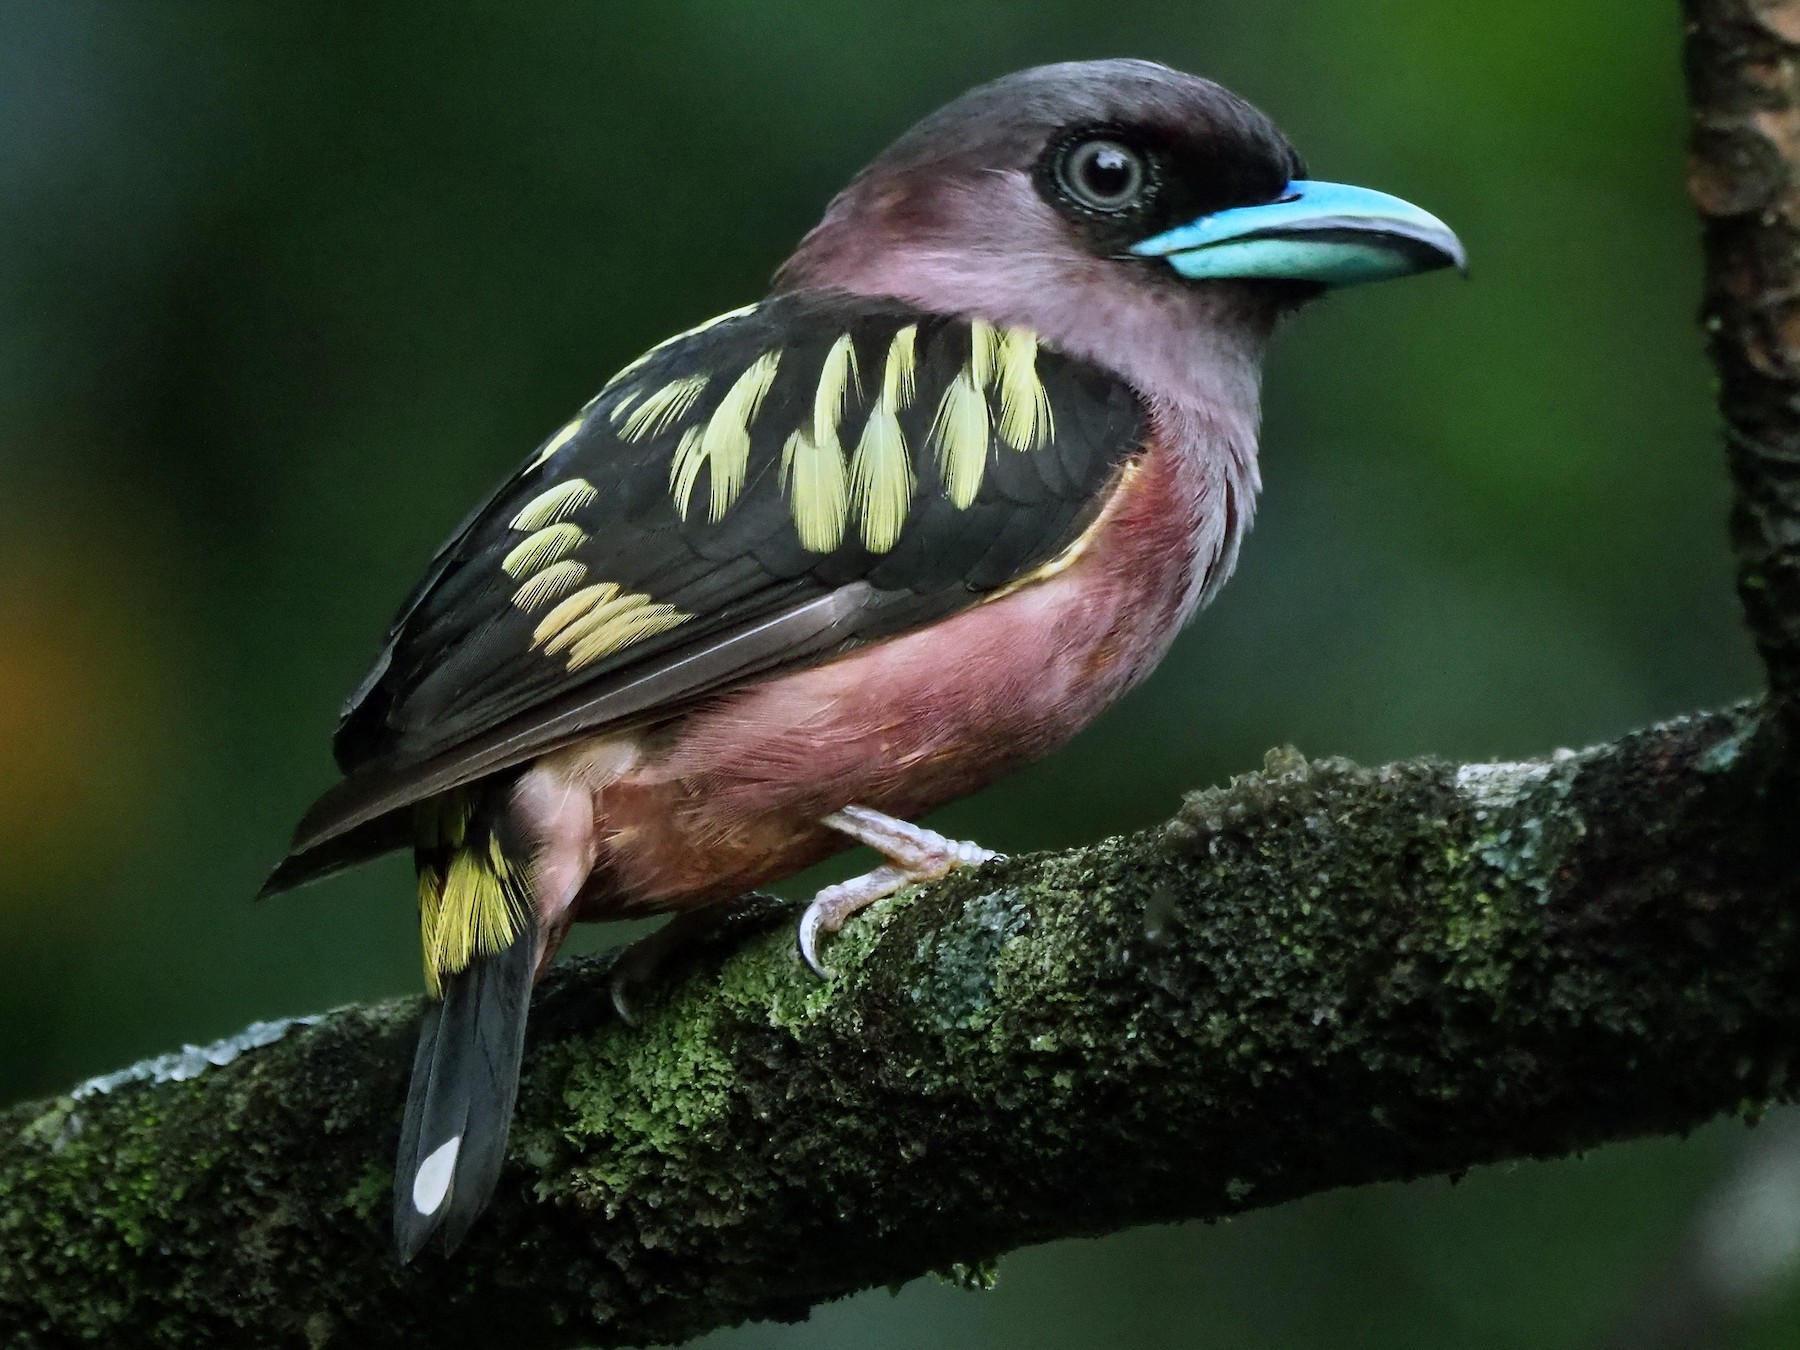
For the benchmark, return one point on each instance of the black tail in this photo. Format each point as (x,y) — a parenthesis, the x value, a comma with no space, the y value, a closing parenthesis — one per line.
(459,1107)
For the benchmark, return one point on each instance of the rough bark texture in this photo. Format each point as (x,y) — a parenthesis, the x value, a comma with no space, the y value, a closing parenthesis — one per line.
(1743,72)
(1315,977)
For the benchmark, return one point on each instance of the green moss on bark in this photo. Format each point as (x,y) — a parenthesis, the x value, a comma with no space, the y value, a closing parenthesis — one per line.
(1318,975)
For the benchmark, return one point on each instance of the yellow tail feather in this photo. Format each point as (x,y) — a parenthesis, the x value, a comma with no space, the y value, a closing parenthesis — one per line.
(473,897)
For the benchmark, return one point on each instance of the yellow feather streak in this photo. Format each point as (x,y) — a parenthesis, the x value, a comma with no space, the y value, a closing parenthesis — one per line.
(960,433)
(815,479)
(594,618)
(547,585)
(660,407)
(610,624)
(1025,418)
(881,474)
(723,446)
(984,343)
(960,429)
(626,624)
(813,471)
(541,549)
(685,466)
(555,504)
(476,903)
(557,442)
(570,610)
(600,620)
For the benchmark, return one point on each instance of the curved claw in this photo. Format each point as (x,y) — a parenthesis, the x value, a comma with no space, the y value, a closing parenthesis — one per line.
(834,906)
(618,982)
(808,936)
(913,855)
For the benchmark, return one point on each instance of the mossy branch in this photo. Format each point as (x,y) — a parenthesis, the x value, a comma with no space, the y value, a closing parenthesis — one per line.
(1316,977)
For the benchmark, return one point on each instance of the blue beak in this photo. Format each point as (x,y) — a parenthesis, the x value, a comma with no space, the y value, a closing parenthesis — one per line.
(1329,233)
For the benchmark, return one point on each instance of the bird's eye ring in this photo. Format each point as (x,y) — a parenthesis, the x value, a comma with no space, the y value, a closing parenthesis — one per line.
(1103,174)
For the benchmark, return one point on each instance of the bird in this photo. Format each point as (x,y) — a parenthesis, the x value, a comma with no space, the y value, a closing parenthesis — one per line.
(804,572)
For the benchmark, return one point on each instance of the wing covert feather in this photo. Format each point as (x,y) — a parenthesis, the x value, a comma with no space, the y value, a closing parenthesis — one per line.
(757,494)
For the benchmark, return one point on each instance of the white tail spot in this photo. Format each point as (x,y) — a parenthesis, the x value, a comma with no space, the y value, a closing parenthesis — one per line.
(432,1184)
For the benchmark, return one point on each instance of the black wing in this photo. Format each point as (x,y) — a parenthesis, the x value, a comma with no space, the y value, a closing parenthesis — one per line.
(761,493)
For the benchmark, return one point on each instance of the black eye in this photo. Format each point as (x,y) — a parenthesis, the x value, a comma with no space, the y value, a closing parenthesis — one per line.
(1103,175)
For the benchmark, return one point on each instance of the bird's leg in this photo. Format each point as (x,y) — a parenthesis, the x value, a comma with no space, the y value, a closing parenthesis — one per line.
(645,963)
(913,854)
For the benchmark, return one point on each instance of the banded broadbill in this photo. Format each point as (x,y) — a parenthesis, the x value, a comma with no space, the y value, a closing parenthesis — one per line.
(806,571)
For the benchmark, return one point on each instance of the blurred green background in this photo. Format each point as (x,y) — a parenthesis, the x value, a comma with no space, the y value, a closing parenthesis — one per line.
(284,288)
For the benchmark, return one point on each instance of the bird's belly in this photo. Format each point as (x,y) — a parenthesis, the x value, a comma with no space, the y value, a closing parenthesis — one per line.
(729,797)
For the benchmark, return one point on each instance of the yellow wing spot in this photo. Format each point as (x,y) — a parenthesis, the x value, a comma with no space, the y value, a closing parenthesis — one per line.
(1025,418)
(666,343)
(723,446)
(837,378)
(814,476)
(569,610)
(558,441)
(660,407)
(539,550)
(600,620)
(684,467)
(881,474)
(960,434)
(628,623)
(813,471)
(595,616)
(555,504)
(961,428)
(549,584)
(984,342)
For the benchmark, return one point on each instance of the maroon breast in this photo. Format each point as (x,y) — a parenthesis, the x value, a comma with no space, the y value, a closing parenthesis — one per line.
(729,797)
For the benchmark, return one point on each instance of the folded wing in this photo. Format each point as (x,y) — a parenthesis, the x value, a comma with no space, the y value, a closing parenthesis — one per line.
(760,494)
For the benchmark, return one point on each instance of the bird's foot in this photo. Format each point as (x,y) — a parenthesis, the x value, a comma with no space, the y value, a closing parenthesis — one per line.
(644,964)
(913,854)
